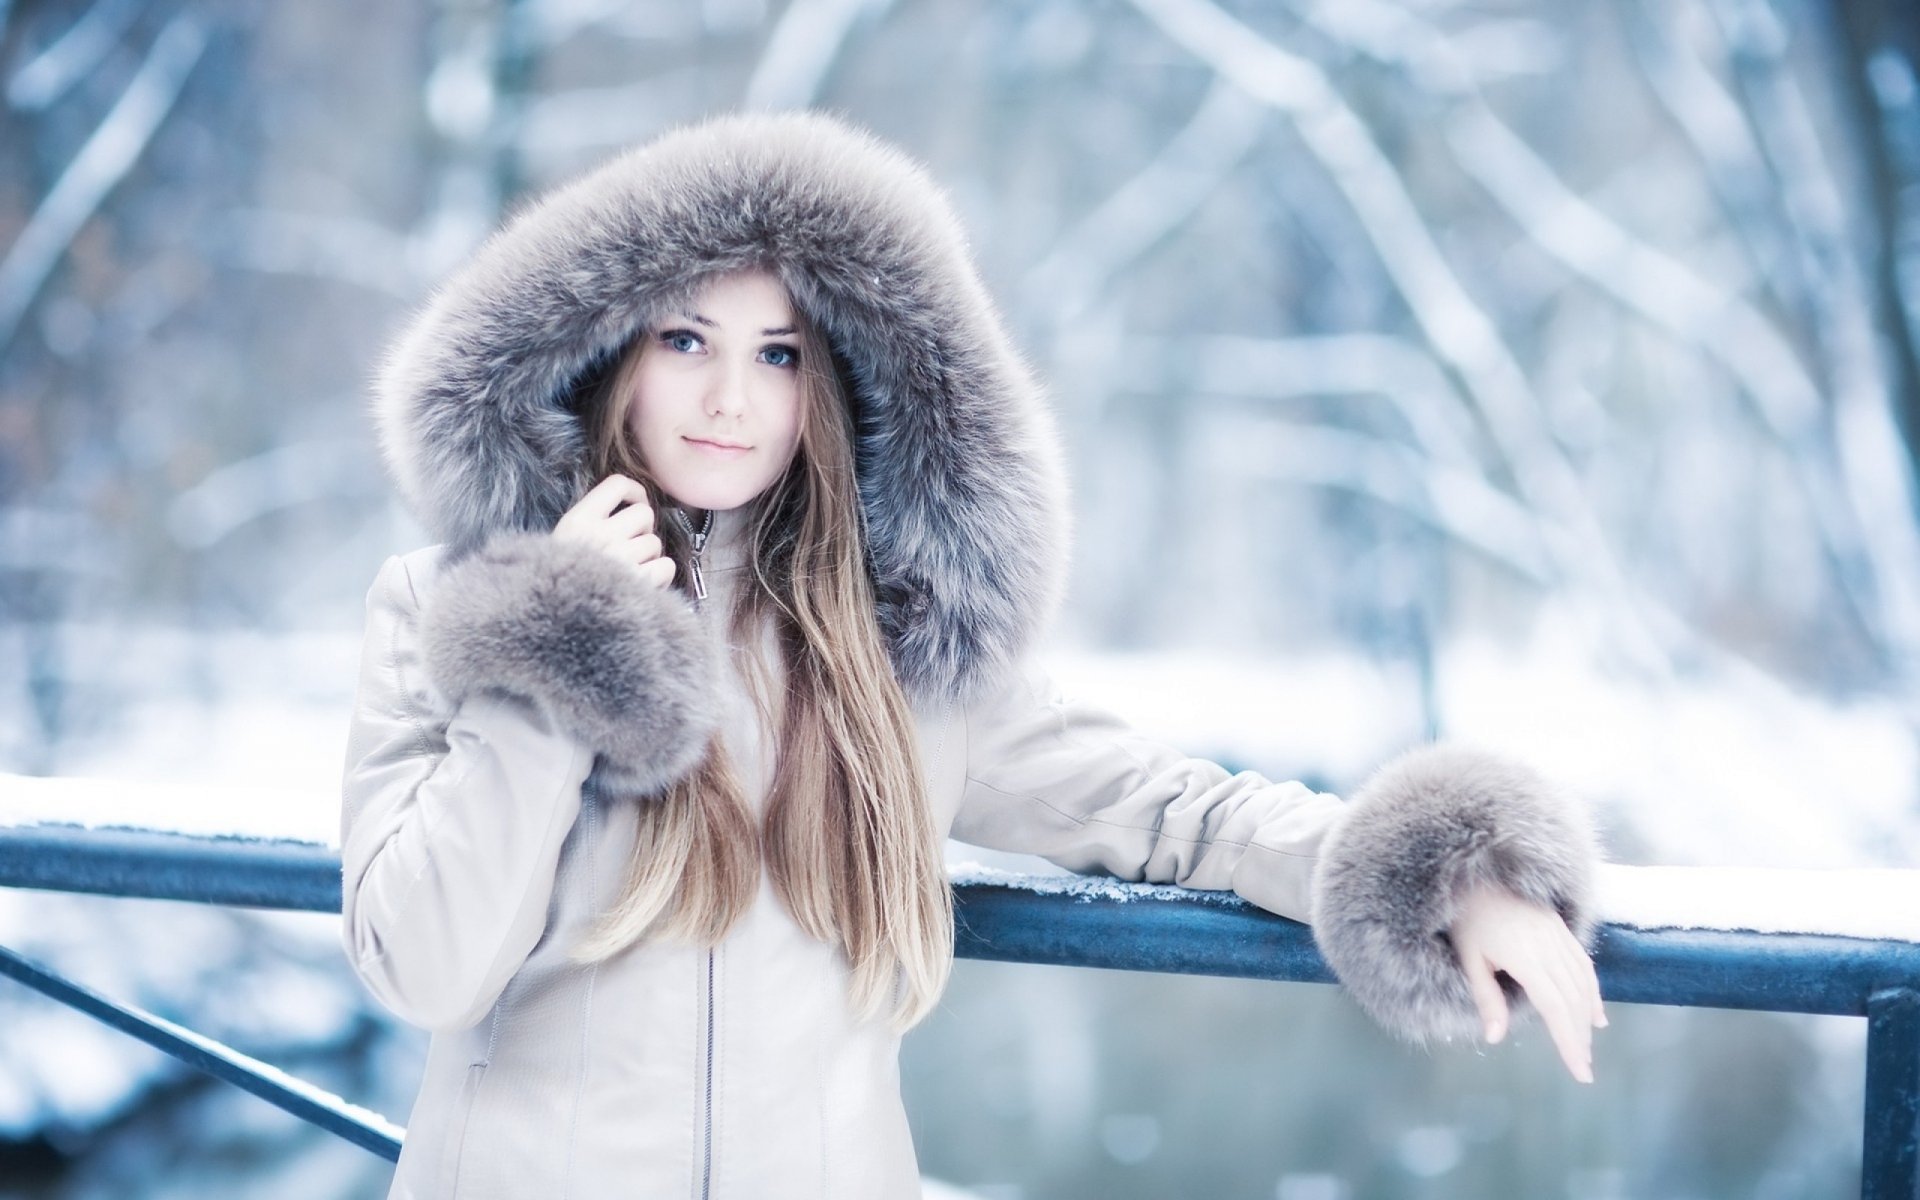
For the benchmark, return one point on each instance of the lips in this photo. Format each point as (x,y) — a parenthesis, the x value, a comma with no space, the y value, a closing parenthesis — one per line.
(718,446)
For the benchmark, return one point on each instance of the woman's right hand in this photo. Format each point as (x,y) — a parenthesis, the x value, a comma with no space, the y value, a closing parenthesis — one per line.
(626,535)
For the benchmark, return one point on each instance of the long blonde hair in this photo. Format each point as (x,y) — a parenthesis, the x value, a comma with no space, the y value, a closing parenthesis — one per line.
(847,836)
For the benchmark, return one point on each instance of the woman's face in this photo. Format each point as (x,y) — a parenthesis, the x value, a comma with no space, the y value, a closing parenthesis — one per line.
(715,410)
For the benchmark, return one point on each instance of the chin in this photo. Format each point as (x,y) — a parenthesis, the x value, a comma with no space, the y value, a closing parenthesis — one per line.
(715,494)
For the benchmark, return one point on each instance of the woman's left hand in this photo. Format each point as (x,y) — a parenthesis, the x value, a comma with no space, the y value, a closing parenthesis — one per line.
(1498,931)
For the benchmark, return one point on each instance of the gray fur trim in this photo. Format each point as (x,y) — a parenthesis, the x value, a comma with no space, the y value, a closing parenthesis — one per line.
(1421,832)
(957,460)
(625,667)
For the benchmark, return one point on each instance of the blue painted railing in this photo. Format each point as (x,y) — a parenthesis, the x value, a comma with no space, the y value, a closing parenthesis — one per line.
(1012,922)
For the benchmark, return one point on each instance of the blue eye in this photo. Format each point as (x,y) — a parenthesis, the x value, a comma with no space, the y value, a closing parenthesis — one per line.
(684,340)
(780,356)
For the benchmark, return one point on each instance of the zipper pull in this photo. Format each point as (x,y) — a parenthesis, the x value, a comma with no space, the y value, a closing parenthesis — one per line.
(699,539)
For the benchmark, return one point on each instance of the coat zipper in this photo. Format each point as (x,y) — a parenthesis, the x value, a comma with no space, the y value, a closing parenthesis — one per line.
(706,1111)
(699,540)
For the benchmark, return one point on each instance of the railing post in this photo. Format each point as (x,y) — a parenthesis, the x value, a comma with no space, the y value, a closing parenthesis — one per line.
(1889,1160)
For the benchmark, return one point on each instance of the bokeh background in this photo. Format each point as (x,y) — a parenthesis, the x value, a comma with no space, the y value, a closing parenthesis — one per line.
(1537,373)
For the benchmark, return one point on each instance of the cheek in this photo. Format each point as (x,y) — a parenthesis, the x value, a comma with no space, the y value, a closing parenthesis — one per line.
(789,436)
(637,431)
(644,421)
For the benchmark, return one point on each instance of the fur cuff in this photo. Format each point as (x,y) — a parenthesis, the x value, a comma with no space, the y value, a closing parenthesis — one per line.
(1420,833)
(626,668)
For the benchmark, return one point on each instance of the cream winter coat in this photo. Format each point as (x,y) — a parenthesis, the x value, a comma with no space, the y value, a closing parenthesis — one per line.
(520,697)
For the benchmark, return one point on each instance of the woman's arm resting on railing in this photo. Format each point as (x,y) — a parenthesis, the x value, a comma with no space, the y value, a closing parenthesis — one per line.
(1387,875)
(1066,780)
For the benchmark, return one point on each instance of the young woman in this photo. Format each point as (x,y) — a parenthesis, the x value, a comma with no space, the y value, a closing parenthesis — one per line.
(750,516)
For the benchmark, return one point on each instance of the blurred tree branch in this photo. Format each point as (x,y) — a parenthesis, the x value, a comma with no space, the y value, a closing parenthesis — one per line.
(1399,372)
(1461,333)
(1460,504)
(1875,560)
(1880,40)
(1147,207)
(350,250)
(48,75)
(801,49)
(1859,493)
(102,163)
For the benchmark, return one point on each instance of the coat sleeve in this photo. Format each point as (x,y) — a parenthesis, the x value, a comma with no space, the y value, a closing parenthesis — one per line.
(1379,877)
(451,825)
(1074,784)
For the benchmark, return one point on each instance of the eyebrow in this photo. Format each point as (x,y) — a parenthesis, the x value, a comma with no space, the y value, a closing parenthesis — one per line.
(783,331)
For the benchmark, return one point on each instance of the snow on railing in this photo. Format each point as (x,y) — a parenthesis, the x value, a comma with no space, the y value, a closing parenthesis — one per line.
(1832,942)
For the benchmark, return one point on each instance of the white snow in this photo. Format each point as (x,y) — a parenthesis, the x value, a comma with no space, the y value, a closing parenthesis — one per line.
(206,810)
(1335,714)
(1083,887)
(1858,902)
(1718,769)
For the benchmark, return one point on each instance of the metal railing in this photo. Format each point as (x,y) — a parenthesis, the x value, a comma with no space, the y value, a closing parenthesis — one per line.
(1033,921)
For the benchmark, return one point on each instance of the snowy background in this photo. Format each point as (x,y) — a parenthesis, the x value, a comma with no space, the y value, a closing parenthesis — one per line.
(1541,374)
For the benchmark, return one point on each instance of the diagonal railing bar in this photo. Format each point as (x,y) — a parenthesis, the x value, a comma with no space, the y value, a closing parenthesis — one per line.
(365,1129)
(1045,921)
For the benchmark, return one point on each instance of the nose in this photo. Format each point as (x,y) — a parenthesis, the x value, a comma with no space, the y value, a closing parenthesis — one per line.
(727,393)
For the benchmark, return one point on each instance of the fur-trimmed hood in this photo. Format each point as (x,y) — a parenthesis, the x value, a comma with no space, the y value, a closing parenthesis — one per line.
(956,458)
